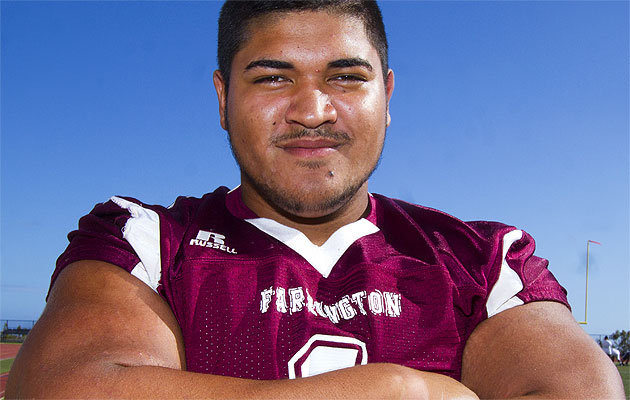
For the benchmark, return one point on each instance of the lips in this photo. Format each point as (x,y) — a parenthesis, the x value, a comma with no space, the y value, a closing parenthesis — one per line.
(316,147)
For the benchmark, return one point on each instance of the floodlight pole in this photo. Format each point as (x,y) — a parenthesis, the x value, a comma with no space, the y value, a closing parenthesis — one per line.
(588,242)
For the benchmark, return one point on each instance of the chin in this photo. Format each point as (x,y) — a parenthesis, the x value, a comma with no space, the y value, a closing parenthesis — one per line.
(304,197)
(314,202)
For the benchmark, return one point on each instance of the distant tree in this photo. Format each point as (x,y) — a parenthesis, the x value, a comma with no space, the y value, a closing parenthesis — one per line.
(621,340)
(19,327)
(5,327)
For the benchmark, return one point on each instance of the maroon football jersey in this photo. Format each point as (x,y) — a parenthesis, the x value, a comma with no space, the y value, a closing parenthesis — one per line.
(256,299)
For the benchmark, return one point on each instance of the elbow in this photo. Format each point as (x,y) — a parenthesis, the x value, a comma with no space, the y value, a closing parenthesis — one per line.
(601,384)
(608,385)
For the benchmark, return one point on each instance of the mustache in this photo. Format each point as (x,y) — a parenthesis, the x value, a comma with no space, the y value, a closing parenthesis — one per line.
(323,132)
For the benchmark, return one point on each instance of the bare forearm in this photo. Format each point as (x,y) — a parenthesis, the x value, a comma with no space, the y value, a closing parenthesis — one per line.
(382,381)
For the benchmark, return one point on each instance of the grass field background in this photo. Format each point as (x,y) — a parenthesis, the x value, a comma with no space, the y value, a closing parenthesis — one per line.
(5,365)
(624,371)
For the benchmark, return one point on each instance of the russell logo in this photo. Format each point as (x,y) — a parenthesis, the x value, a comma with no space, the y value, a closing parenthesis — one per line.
(212,240)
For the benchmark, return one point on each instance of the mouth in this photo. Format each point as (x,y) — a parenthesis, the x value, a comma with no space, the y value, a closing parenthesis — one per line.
(310,147)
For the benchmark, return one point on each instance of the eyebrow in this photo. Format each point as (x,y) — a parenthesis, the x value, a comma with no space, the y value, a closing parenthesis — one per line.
(350,62)
(341,63)
(266,63)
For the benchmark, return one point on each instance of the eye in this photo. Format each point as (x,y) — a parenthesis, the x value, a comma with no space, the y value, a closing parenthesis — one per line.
(271,79)
(350,78)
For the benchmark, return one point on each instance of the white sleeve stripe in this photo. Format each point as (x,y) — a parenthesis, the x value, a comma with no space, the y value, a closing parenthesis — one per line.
(503,293)
(142,231)
(140,272)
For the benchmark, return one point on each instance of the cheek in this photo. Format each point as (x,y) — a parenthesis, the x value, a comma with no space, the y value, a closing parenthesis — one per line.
(253,121)
(368,107)
(364,118)
(259,109)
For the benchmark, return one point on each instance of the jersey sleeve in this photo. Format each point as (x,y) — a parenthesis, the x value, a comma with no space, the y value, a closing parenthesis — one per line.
(121,232)
(522,277)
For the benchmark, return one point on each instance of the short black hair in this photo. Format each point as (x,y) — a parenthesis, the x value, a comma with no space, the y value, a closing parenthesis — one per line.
(237,14)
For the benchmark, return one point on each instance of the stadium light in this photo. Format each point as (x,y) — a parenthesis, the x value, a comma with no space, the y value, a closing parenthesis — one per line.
(588,242)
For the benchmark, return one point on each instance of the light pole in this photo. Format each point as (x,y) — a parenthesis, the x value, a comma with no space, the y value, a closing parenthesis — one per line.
(588,242)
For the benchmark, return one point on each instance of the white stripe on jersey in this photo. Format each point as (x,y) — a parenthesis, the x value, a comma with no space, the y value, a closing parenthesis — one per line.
(323,258)
(503,294)
(142,231)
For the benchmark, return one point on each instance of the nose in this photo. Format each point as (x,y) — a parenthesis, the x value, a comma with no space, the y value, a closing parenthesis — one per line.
(310,107)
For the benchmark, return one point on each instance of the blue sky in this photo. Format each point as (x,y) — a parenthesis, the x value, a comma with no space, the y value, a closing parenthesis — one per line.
(509,111)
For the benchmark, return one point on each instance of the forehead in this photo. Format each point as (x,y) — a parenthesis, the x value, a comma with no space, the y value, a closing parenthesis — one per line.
(306,36)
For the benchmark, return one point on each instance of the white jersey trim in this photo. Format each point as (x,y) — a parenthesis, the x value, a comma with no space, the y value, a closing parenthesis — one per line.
(323,258)
(142,231)
(503,294)
(331,363)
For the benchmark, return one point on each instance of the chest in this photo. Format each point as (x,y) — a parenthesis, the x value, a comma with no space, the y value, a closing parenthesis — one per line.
(273,315)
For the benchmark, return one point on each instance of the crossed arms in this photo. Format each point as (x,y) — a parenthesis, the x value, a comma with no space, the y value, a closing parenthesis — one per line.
(105,334)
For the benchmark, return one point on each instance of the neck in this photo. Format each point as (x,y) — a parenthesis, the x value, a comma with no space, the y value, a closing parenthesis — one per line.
(316,228)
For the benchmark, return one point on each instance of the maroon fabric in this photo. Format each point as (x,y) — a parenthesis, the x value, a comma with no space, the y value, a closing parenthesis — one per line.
(412,292)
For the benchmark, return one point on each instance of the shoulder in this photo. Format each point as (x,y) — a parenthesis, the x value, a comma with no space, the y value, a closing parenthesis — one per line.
(486,254)
(182,211)
(127,232)
(436,226)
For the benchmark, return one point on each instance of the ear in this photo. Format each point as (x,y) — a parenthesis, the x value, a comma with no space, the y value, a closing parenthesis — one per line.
(220,87)
(389,90)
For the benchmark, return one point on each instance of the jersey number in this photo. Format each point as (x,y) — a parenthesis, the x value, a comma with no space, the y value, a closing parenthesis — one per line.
(324,353)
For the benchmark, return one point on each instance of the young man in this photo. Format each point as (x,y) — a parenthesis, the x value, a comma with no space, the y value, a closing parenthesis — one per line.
(300,272)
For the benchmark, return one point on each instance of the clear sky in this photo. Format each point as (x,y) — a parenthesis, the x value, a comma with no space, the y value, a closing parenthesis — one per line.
(510,111)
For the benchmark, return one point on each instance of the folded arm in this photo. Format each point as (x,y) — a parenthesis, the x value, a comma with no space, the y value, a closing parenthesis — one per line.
(537,350)
(105,334)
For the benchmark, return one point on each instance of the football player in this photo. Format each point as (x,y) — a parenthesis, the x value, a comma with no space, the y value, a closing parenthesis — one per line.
(300,283)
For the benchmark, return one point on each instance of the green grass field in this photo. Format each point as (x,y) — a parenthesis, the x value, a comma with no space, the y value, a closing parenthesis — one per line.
(625,376)
(5,365)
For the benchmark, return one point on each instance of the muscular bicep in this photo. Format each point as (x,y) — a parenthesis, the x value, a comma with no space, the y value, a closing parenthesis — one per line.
(98,317)
(537,349)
